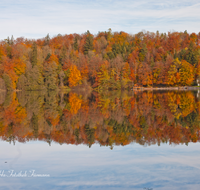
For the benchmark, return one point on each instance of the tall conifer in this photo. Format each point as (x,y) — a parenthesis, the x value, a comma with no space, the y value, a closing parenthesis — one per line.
(88,43)
(34,55)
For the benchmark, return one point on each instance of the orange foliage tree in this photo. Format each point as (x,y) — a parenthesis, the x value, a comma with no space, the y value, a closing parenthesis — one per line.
(74,76)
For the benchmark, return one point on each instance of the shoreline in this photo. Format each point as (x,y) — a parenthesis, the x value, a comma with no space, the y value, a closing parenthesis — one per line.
(180,88)
(133,89)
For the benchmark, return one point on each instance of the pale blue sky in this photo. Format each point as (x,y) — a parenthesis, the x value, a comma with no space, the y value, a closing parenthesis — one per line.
(34,19)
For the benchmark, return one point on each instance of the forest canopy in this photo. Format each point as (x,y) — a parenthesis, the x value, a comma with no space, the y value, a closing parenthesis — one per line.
(108,60)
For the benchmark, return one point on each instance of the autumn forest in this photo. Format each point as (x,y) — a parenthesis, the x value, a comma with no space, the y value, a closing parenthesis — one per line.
(36,77)
(106,61)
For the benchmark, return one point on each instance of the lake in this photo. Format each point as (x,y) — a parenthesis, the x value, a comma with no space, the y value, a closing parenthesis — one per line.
(112,140)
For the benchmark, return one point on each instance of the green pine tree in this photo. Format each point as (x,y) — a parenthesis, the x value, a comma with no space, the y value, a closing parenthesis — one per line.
(192,54)
(75,44)
(88,43)
(62,55)
(34,55)
(47,40)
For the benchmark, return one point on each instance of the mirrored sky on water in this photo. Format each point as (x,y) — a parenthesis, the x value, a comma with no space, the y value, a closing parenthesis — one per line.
(140,122)
(79,167)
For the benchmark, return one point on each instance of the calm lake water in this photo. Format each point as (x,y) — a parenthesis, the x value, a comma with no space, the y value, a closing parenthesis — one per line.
(114,140)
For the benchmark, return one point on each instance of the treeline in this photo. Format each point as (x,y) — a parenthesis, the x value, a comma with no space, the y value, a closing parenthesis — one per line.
(104,61)
(111,118)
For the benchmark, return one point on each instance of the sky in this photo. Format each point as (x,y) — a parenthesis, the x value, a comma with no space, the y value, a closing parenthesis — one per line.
(35,19)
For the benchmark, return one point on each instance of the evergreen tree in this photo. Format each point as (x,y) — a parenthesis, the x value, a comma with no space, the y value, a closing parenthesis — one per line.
(47,57)
(109,34)
(62,55)
(51,77)
(35,80)
(12,40)
(34,55)
(192,54)
(75,44)
(143,52)
(8,40)
(9,51)
(47,39)
(88,43)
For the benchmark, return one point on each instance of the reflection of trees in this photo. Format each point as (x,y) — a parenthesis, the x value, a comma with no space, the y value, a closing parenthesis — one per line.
(112,118)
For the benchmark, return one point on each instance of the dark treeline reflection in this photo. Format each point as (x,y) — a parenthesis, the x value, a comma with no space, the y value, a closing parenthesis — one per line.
(112,118)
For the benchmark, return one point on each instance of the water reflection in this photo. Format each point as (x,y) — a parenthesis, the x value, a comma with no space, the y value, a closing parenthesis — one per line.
(78,167)
(110,119)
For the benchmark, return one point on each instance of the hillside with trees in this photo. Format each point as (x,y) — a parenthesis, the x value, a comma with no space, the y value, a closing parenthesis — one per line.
(108,60)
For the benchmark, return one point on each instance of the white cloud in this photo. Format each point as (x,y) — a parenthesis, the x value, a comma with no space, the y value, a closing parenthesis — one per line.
(34,19)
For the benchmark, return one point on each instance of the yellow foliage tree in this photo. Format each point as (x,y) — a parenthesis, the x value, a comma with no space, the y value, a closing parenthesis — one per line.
(173,77)
(186,73)
(19,66)
(103,75)
(74,76)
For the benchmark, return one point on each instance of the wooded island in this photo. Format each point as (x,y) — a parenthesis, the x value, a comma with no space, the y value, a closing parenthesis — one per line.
(106,61)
